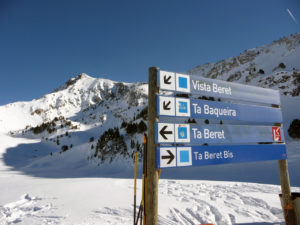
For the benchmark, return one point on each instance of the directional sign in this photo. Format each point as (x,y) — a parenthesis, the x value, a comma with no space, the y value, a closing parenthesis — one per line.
(216,88)
(165,132)
(216,143)
(195,108)
(209,155)
(168,156)
(217,134)
(166,106)
(167,80)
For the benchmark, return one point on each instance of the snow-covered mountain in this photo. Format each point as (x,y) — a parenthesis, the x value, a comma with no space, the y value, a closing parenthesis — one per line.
(275,66)
(75,117)
(81,98)
(95,121)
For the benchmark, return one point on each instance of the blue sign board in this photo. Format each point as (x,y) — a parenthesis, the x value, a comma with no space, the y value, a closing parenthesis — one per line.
(217,134)
(170,156)
(203,109)
(193,84)
(196,145)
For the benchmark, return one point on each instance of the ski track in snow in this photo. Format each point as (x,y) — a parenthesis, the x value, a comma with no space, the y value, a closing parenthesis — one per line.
(108,216)
(203,202)
(209,202)
(28,210)
(182,202)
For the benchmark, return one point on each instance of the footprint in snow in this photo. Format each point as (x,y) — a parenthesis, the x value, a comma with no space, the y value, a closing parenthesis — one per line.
(27,210)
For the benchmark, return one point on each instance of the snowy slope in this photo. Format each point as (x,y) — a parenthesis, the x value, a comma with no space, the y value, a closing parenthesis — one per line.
(69,201)
(75,115)
(36,201)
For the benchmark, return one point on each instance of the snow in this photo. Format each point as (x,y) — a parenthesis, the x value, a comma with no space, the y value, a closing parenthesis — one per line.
(32,200)
(35,200)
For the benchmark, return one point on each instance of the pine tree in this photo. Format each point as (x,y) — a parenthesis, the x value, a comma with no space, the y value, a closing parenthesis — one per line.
(142,127)
(132,144)
(294,129)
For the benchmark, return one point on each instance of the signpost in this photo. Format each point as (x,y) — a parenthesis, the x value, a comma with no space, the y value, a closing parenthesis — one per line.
(151,180)
(252,131)
(170,156)
(203,109)
(216,134)
(192,84)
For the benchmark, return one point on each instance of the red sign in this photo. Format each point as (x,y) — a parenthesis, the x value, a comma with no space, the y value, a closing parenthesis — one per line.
(276,133)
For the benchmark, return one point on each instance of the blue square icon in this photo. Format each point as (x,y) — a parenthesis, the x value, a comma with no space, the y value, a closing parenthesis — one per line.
(184,156)
(183,82)
(183,107)
(182,132)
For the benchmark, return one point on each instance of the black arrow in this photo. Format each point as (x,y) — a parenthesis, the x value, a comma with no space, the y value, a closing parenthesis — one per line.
(166,106)
(163,132)
(167,80)
(170,157)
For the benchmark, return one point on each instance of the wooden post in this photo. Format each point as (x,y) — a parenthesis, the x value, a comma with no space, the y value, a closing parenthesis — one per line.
(151,173)
(287,202)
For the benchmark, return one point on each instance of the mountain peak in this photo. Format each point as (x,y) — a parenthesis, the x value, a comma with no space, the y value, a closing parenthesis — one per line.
(84,76)
(73,80)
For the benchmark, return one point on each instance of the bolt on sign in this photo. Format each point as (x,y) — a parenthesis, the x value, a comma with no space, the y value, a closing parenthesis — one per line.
(248,133)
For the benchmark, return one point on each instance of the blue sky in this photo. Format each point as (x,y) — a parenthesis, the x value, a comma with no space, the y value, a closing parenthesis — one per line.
(45,43)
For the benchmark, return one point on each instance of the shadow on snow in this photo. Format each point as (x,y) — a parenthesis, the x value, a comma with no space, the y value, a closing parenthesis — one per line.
(35,160)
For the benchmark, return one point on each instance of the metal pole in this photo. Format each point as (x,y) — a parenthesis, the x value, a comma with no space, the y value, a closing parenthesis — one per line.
(287,202)
(152,175)
(140,214)
(143,201)
(143,219)
(134,200)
